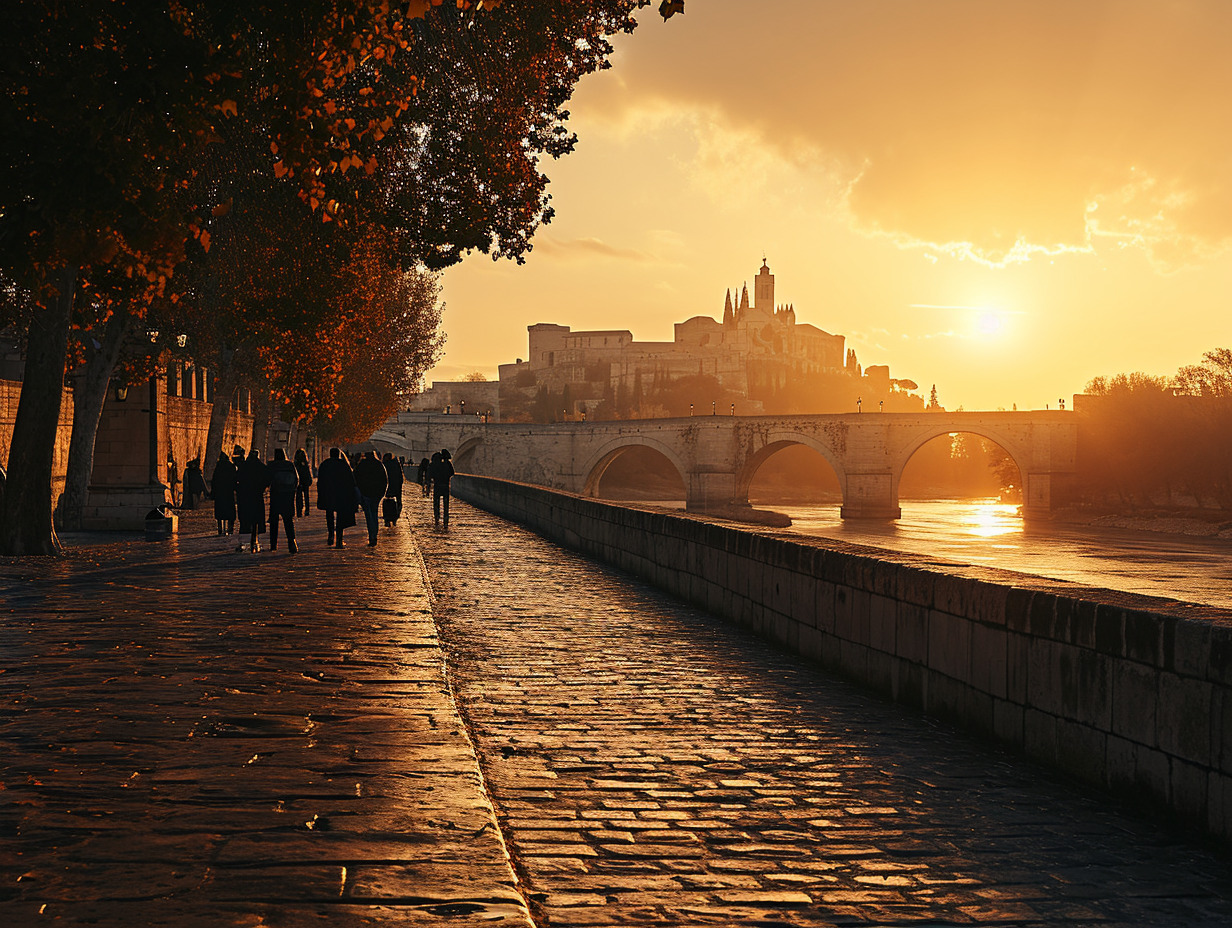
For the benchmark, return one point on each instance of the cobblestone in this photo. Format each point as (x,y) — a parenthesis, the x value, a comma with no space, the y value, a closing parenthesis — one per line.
(651,765)
(191,736)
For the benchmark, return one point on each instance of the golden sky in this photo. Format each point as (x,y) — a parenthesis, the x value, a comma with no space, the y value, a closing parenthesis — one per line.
(1004,199)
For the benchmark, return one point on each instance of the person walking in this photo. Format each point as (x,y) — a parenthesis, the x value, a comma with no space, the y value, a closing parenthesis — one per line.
(194,484)
(251,482)
(424,479)
(337,495)
(303,471)
(284,490)
(441,473)
(222,485)
(372,480)
(391,509)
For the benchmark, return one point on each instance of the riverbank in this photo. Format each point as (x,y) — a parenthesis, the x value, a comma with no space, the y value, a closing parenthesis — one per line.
(1199,523)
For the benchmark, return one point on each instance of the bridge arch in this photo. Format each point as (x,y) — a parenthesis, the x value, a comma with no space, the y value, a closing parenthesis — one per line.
(464,454)
(598,463)
(776,442)
(1017,454)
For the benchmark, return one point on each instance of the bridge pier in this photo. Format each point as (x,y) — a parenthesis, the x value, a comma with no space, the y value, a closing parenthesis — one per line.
(1037,496)
(711,489)
(870,496)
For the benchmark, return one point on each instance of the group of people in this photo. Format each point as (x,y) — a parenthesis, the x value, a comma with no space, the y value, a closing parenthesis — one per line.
(373,484)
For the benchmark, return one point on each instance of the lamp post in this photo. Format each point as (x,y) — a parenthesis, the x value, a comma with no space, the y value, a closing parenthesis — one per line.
(690,410)
(712,412)
(733,411)
(859,402)
(881,405)
(462,407)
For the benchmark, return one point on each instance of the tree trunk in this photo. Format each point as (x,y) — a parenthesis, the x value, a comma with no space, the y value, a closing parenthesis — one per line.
(25,523)
(224,387)
(89,395)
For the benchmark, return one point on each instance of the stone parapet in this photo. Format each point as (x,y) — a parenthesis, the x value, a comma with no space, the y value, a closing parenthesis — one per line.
(1128,692)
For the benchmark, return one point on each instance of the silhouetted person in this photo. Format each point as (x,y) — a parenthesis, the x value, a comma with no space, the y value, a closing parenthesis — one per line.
(337,495)
(194,484)
(372,480)
(424,479)
(303,470)
(252,480)
(391,509)
(283,486)
(223,486)
(441,472)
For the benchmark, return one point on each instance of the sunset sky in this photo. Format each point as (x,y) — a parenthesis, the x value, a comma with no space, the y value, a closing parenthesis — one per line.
(1004,199)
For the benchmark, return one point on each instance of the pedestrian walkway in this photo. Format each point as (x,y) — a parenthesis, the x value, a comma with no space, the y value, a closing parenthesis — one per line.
(191,736)
(652,765)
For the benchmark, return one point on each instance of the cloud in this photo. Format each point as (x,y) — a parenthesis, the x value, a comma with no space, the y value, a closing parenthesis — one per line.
(585,248)
(985,131)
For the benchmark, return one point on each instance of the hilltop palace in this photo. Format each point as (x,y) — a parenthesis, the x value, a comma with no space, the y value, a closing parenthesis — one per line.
(757,348)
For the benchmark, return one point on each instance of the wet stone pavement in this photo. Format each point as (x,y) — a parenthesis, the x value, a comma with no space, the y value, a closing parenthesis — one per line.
(650,765)
(195,737)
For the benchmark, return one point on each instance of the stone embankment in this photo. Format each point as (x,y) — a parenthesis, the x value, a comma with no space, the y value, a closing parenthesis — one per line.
(1128,692)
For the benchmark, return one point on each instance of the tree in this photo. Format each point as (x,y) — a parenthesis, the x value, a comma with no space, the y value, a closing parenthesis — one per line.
(330,87)
(475,377)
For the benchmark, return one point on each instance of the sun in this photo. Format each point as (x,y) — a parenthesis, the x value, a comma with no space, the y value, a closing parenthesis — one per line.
(990,323)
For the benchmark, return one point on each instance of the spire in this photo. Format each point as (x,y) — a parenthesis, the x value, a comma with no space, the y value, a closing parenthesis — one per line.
(744,298)
(728,313)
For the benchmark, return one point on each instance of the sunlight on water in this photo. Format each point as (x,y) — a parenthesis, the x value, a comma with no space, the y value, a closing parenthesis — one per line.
(990,518)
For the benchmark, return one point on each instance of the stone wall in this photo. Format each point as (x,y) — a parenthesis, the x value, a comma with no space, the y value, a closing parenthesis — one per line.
(10,393)
(1128,692)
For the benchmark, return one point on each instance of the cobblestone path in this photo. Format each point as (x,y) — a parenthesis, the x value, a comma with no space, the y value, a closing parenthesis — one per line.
(652,766)
(194,737)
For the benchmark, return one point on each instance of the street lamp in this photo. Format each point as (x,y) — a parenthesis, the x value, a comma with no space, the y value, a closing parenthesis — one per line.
(859,402)
(712,412)
(733,412)
(462,406)
(690,410)
(881,405)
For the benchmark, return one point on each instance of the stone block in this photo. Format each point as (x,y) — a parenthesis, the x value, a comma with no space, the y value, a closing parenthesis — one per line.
(823,612)
(853,658)
(1219,805)
(881,670)
(917,587)
(949,644)
(882,615)
(988,660)
(1007,722)
(1040,735)
(1183,722)
(1109,630)
(907,684)
(977,711)
(1135,696)
(1043,615)
(1086,686)
(861,602)
(1018,609)
(1187,791)
(1082,623)
(803,598)
(1186,646)
(1017,666)
(1082,750)
(1143,637)
(1152,772)
(1044,676)
(1221,729)
(1119,761)
(1219,658)
(911,635)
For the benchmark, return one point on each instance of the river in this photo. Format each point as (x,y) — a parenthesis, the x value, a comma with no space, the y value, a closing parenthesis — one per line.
(990,533)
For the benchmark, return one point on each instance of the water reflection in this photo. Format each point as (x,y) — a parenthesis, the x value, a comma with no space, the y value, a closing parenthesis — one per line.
(990,533)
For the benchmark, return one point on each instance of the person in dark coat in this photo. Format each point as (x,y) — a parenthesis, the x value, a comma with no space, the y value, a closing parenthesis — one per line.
(223,486)
(303,470)
(424,479)
(284,488)
(392,507)
(372,480)
(251,482)
(337,495)
(441,472)
(194,484)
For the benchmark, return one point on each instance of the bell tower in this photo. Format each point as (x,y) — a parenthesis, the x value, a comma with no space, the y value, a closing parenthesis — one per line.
(763,290)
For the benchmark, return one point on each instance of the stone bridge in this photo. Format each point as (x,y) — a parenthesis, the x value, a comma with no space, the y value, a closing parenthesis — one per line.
(717,456)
